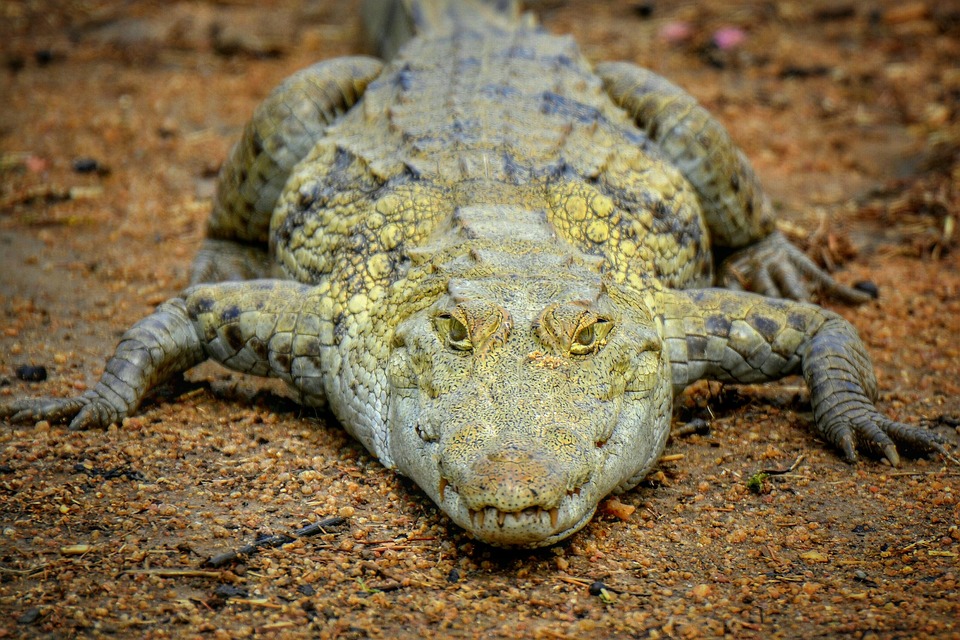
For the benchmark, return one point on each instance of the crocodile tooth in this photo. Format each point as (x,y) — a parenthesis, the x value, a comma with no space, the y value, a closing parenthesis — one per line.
(501,517)
(473,517)
(481,515)
(554,514)
(443,486)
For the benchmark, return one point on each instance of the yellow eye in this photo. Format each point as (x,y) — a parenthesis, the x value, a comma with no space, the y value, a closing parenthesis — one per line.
(590,338)
(586,336)
(457,334)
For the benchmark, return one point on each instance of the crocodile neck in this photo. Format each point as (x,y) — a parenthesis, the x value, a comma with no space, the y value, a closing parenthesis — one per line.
(509,240)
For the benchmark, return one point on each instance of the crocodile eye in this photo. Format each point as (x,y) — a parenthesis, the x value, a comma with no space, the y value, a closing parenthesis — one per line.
(458,332)
(458,337)
(586,336)
(590,337)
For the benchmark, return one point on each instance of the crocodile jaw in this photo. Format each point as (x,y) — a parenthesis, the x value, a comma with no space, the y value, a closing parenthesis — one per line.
(533,527)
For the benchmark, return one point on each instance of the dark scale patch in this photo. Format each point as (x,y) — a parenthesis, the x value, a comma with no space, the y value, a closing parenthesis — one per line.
(514,170)
(256,145)
(309,349)
(521,52)
(717,325)
(797,321)
(307,197)
(735,183)
(555,104)
(259,347)
(283,361)
(696,348)
(637,138)
(465,131)
(653,128)
(343,159)
(230,313)
(660,210)
(232,334)
(405,77)
(561,171)
(767,327)
(468,62)
(497,91)
(411,172)
(340,327)
(200,305)
(422,143)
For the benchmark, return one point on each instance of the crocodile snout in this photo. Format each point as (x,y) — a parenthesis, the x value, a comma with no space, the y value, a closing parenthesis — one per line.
(510,474)
(511,481)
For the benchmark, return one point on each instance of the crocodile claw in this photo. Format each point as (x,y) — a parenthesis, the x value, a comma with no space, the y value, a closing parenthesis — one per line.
(776,268)
(54,410)
(873,431)
(81,413)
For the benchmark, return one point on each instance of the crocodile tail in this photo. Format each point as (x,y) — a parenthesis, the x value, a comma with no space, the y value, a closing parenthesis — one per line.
(390,23)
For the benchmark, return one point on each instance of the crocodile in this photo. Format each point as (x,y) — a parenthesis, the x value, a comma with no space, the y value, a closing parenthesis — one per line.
(497,264)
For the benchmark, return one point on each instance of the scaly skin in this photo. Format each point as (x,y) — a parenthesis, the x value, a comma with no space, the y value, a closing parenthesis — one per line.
(490,261)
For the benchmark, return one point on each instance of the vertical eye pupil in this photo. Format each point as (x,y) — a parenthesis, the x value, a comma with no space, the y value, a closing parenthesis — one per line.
(458,332)
(585,336)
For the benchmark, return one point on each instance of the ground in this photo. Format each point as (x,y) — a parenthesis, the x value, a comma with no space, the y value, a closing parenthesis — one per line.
(114,118)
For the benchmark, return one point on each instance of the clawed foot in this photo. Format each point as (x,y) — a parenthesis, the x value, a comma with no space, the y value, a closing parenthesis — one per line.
(82,413)
(870,430)
(776,268)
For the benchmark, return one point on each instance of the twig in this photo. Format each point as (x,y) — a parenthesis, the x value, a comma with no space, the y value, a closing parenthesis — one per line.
(780,472)
(175,573)
(580,582)
(256,602)
(24,572)
(273,541)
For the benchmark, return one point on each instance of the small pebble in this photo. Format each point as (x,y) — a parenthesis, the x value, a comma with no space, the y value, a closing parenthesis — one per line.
(728,38)
(85,165)
(29,616)
(597,588)
(307,590)
(16,63)
(868,287)
(454,576)
(643,9)
(31,373)
(230,591)
(675,32)
(75,549)
(36,164)
(43,57)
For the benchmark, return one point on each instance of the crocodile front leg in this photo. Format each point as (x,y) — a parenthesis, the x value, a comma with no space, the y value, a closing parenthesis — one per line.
(263,327)
(740,337)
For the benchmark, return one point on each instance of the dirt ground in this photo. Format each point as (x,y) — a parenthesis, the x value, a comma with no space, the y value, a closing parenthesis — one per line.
(114,118)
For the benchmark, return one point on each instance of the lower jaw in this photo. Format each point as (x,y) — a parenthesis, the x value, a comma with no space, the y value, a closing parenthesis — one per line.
(528,529)
(522,538)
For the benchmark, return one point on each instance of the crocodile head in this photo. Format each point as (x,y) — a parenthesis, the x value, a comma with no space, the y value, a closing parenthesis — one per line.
(519,400)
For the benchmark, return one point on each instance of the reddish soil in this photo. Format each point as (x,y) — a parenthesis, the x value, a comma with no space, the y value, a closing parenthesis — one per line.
(848,110)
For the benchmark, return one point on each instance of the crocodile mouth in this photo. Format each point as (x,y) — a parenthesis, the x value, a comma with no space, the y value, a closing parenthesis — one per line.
(531,527)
